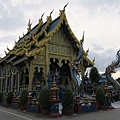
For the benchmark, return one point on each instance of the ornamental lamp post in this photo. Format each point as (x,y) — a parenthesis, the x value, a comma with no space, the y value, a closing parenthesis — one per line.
(77,105)
(54,99)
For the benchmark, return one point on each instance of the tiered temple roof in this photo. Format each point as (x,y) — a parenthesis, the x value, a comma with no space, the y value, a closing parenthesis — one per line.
(36,38)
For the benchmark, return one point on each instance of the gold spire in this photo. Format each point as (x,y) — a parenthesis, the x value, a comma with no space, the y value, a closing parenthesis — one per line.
(19,37)
(40,20)
(62,11)
(86,53)
(29,25)
(65,7)
(5,52)
(23,34)
(8,48)
(49,17)
(93,61)
(51,12)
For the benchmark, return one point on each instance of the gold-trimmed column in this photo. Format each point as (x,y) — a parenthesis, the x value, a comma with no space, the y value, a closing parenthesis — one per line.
(30,75)
(47,63)
(18,79)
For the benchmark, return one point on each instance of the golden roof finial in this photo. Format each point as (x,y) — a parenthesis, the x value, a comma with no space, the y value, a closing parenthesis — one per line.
(29,25)
(86,53)
(62,11)
(40,20)
(51,12)
(8,48)
(65,7)
(93,61)
(23,34)
(19,37)
(5,52)
(49,17)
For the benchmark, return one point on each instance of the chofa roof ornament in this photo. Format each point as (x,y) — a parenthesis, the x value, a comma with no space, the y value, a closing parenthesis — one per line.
(62,11)
(29,26)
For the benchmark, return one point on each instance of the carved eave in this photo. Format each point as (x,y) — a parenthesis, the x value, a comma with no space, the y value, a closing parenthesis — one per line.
(47,24)
(90,63)
(26,42)
(4,59)
(34,52)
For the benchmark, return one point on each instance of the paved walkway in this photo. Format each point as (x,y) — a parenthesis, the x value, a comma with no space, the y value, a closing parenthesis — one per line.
(110,114)
(116,104)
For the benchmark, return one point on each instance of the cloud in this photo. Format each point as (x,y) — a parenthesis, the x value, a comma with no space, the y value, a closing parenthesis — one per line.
(11,17)
(99,20)
(103,58)
(97,47)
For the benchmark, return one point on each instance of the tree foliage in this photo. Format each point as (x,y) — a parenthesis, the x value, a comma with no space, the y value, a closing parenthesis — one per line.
(44,98)
(10,97)
(94,75)
(68,100)
(24,97)
(100,96)
(1,96)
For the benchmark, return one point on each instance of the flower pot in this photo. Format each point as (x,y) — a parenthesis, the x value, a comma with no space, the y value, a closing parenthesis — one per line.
(8,105)
(45,111)
(22,107)
(67,112)
(38,108)
(103,107)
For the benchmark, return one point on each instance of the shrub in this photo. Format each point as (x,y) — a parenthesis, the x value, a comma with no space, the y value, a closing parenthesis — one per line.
(9,97)
(68,100)
(94,85)
(94,75)
(100,96)
(44,98)
(23,98)
(1,96)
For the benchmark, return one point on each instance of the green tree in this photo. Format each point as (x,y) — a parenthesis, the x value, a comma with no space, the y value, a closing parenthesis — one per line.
(68,99)
(24,97)
(100,96)
(10,97)
(44,98)
(1,96)
(94,75)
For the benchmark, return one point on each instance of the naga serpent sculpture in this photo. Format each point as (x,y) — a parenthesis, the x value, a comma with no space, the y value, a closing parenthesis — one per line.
(111,69)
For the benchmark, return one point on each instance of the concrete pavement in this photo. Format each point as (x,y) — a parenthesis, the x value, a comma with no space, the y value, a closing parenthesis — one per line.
(116,104)
(12,114)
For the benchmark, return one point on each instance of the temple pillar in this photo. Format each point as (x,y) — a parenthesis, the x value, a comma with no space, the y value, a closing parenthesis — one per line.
(47,64)
(30,76)
(18,80)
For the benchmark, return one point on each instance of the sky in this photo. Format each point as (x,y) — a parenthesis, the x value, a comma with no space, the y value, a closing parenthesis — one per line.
(100,19)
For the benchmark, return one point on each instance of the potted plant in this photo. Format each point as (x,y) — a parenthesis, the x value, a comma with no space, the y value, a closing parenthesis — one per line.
(44,101)
(9,99)
(101,98)
(23,99)
(67,102)
(1,97)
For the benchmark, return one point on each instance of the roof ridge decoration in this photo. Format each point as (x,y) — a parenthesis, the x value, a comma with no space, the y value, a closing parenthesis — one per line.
(48,35)
(35,41)
(29,26)
(63,18)
(27,39)
(49,20)
(39,24)
(25,46)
